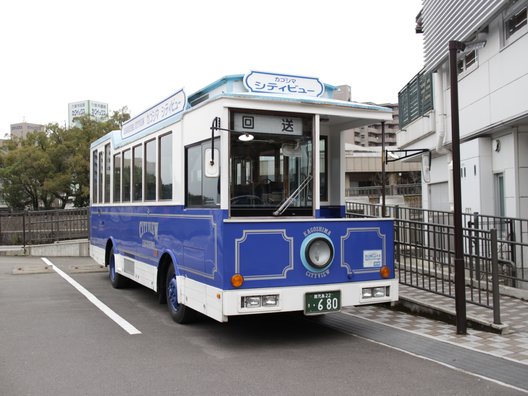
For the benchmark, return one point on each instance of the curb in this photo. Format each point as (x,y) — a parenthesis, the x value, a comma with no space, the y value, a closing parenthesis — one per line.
(447,315)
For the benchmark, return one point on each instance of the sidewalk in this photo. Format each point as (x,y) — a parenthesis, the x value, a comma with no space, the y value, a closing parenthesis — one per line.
(514,315)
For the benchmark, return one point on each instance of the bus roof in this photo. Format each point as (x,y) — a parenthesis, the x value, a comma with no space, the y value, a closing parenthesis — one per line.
(236,86)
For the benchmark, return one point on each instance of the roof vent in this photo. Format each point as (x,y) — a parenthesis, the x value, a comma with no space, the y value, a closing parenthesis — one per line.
(342,92)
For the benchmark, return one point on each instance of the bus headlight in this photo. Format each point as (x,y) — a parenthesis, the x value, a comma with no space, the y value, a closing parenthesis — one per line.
(375,292)
(317,252)
(271,300)
(252,301)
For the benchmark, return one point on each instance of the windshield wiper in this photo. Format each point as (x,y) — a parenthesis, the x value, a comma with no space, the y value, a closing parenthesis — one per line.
(288,201)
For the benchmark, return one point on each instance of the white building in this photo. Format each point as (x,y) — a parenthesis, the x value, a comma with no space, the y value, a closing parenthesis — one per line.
(96,110)
(493,105)
(370,135)
(22,129)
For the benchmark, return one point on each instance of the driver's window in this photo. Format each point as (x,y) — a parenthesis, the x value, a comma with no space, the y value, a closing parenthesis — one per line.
(271,162)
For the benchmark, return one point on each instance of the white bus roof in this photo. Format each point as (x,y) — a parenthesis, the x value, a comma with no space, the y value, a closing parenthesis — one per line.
(235,86)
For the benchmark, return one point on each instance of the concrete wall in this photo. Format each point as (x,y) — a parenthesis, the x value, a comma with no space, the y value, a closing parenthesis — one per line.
(495,90)
(476,172)
(522,150)
(74,248)
(504,162)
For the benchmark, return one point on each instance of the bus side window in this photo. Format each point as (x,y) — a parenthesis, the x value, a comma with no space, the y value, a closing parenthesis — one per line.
(194,176)
(107,170)
(100,171)
(117,177)
(137,173)
(201,191)
(94,176)
(165,167)
(150,170)
(125,188)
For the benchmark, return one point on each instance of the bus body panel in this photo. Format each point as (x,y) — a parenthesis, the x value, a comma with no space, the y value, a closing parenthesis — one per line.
(209,249)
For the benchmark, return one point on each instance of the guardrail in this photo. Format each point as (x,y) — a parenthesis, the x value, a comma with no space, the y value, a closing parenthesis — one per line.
(424,250)
(47,226)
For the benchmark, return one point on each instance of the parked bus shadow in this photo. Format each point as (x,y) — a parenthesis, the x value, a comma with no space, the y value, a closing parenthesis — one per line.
(240,331)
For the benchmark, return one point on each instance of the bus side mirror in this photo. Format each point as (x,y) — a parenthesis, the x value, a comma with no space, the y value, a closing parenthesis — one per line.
(211,165)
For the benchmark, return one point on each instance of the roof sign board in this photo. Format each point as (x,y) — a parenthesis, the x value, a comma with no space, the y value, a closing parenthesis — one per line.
(283,84)
(258,123)
(171,106)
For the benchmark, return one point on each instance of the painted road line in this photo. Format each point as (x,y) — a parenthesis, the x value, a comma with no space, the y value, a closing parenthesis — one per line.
(94,300)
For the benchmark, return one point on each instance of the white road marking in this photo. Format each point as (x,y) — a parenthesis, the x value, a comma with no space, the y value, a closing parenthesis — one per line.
(94,300)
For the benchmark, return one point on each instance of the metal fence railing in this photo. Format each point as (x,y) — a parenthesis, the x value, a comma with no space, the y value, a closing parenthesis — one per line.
(46,226)
(424,249)
(415,99)
(393,189)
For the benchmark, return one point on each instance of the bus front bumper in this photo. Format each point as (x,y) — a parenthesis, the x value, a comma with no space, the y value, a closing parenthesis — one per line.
(310,299)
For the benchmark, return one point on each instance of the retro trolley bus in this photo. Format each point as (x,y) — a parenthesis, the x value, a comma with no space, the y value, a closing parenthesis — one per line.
(231,202)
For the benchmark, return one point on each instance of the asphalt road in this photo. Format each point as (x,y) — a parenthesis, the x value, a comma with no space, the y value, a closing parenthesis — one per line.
(55,341)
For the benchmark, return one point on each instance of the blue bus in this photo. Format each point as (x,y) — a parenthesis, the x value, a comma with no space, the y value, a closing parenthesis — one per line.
(231,202)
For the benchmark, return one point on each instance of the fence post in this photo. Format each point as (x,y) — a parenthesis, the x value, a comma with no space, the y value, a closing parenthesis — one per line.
(53,234)
(475,224)
(512,239)
(24,228)
(495,277)
(397,231)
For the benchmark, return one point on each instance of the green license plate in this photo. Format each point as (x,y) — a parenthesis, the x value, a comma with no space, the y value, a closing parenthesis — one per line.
(321,302)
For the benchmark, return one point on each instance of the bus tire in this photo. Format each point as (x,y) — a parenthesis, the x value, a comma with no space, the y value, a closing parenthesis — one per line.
(179,312)
(118,281)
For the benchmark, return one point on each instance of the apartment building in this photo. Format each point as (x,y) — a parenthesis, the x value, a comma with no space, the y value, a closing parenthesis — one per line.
(492,77)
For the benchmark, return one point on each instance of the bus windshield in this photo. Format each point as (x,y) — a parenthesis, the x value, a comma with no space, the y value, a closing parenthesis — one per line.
(271,173)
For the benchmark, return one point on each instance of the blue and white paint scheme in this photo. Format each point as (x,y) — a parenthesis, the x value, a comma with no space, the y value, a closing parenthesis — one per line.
(173,105)
(266,232)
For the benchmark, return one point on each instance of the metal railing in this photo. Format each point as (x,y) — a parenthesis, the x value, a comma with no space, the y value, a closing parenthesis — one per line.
(47,226)
(393,189)
(424,250)
(415,99)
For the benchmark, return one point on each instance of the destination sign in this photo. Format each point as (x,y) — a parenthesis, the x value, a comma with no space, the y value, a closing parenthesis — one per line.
(283,84)
(172,105)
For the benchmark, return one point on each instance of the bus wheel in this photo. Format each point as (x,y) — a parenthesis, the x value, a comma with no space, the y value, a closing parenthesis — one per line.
(179,312)
(118,281)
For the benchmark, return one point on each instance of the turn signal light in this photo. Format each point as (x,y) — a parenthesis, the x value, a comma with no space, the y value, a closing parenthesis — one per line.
(237,280)
(385,272)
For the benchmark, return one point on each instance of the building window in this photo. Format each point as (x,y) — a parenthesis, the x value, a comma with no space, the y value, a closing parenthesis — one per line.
(467,62)
(515,22)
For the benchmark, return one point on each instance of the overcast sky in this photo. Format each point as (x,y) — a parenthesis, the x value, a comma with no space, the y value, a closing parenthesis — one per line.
(136,53)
